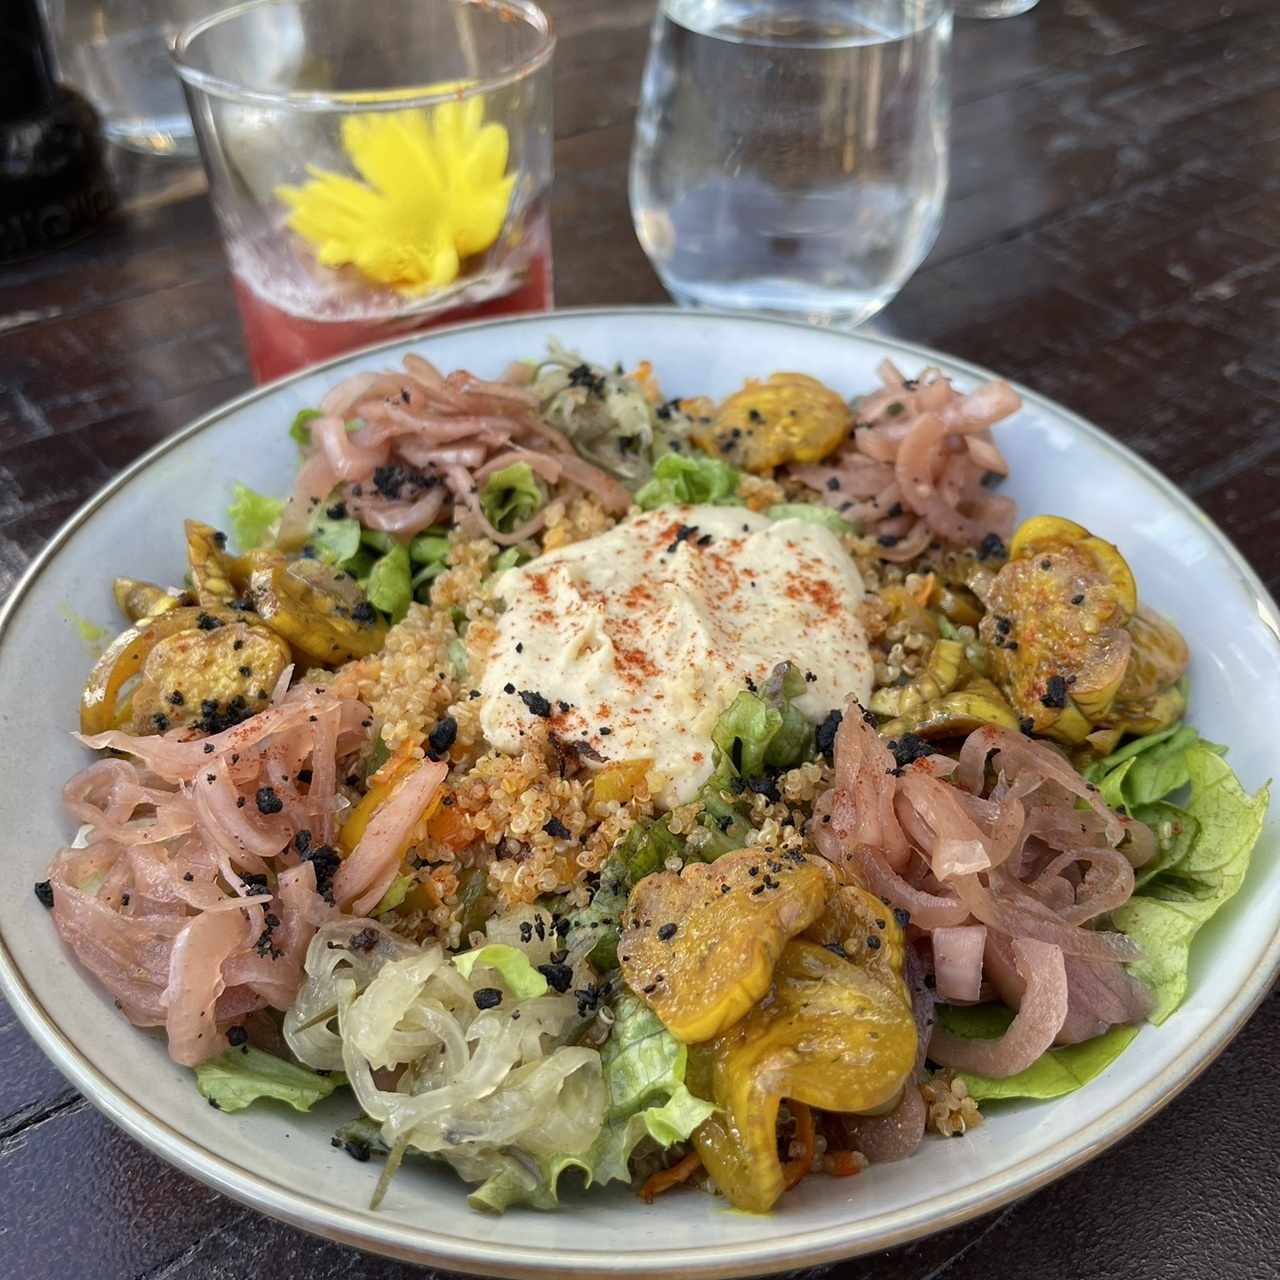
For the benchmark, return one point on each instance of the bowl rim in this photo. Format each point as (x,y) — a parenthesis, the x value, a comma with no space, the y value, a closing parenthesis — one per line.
(810,1247)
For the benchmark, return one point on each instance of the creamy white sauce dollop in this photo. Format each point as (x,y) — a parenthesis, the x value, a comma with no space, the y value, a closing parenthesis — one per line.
(637,639)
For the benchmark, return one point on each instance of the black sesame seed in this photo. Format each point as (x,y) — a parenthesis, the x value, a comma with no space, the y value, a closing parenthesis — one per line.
(555,828)
(873,943)
(443,736)
(362,612)
(236,1036)
(537,704)
(487,998)
(207,622)
(176,699)
(667,932)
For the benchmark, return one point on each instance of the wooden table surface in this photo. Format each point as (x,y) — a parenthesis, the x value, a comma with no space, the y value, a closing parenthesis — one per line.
(1112,239)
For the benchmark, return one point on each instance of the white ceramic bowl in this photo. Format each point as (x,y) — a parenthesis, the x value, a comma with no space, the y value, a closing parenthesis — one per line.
(283,1164)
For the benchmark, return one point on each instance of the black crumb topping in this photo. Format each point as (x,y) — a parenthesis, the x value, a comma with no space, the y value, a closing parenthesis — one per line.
(556,829)
(215,717)
(667,932)
(888,540)
(395,481)
(207,622)
(236,1036)
(443,736)
(176,699)
(558,976)
(44,894)
(488,998)
(160,720)
(1055,693)
(326,861)
(365,940)
(363,612)
(902,916)
(302,842)
(1078,598)
(873,943)
(537,704)
(219,539)
(582,376)
(909,748)
(682,532)
(825,738)
(337,512)
(268,801)
(992,546)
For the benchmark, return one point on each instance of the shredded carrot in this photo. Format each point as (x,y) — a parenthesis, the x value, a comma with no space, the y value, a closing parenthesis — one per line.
(664,1180)
(921,597)
(795,1169)
(842,1164)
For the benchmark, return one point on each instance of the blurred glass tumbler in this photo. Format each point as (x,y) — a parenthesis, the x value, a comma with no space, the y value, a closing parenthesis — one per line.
(116,52)
(993,8)
(791,155)
(376,168)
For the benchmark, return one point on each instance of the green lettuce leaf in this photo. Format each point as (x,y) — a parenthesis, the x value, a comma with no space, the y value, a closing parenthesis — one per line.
(692,479)
(644,1069)
(335,542)
(298,429)
(511,496)
(1147,769)
(1055,1072)
(644,1066)
(597,922)
(763,729)
(525,1181)
(241,1076)
(811,513)
(1208,870)
(430,548)
(1175,830)
(389,585)
(518,974)
(396,893)
(251,516)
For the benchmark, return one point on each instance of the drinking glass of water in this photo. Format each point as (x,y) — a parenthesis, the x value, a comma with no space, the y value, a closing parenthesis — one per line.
(791,155)
(116,52)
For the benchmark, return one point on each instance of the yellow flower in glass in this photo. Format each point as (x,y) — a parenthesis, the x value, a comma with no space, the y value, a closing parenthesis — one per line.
(435,191)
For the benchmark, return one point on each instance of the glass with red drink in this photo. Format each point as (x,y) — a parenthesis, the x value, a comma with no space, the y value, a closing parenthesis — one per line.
(377,169)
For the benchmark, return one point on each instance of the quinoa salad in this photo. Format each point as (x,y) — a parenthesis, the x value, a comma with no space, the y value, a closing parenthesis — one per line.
(575,785)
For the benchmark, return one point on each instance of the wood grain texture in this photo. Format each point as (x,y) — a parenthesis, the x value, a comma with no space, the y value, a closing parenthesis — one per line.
(1112,239)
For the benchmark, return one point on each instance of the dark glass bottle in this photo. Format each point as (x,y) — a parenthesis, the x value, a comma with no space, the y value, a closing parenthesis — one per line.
(53,179)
